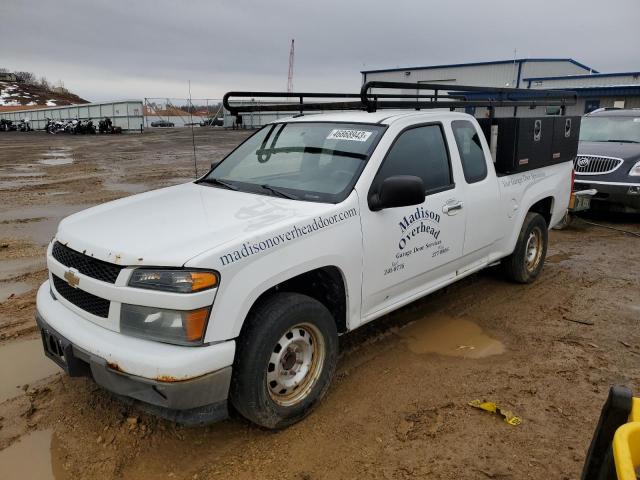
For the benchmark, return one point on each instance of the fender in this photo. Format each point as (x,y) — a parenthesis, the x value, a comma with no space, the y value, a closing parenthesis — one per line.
(552,183)
(239,312)
(243,281)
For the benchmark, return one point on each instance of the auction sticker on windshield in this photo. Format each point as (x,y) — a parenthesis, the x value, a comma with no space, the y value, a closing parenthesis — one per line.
(353,135)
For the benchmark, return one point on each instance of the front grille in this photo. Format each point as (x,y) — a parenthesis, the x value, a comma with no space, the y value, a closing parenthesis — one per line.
(81,299)
(89,266)
(595,165)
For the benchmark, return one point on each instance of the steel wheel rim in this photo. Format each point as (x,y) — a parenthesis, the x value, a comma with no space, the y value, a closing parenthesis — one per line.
(533,250)
(295,364)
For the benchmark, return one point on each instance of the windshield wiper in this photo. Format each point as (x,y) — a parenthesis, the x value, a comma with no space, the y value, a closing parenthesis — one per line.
(221,183)
(624,141)
(277,191)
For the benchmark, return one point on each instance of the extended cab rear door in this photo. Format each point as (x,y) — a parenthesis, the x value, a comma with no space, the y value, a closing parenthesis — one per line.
(485,222)
(407,250)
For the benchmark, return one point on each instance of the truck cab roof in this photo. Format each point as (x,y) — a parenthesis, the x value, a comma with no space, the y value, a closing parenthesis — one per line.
(381,117)
(614,112)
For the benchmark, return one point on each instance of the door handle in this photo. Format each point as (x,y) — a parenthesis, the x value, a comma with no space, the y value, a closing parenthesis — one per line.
(452,208)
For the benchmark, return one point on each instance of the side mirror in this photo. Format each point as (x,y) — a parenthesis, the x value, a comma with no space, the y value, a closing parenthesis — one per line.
(397,191)
(215,163)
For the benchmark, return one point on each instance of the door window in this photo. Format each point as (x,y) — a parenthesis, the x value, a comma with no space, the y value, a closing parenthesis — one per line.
(422,152)
(474,164)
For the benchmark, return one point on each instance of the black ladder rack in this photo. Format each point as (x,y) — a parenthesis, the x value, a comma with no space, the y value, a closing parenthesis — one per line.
(442,96)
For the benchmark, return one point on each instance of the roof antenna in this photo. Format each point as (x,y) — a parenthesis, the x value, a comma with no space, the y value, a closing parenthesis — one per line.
(291,60)
(193,137)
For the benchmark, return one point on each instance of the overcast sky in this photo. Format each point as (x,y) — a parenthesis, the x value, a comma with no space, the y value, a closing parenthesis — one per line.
(115,49)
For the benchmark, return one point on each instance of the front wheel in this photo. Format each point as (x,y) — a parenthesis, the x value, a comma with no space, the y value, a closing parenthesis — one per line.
(285,360)
(526,262)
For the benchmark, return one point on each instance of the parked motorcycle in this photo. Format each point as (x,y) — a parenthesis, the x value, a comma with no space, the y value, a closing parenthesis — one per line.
(89,127)
(106,126)
(55,126)
(24,125)
(7,125)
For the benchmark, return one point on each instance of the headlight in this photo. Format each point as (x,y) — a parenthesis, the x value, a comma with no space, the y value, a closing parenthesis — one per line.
(179,281)
(170,326)
(635,170)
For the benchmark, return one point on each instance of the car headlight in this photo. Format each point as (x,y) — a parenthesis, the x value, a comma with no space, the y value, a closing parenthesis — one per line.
(178,281)
(169,326)
(635,170)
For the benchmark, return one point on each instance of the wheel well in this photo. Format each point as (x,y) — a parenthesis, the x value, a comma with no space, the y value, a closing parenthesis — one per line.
(325,285)
(544,208)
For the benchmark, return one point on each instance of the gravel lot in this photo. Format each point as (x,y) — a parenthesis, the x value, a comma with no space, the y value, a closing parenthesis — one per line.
(399,404)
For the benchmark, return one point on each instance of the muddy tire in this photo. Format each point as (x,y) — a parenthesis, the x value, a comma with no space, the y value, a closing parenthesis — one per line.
(526,262)
(285,360)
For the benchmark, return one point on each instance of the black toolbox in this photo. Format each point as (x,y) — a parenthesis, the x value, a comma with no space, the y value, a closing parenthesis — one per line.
(523,143)
(566,131)
(527,143)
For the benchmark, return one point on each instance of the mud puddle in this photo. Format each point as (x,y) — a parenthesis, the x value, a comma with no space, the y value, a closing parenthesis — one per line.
(22,363)
(57,157)
(17,267)
(39,224)
(450,336)
(11,289)
(34,456)
(127,187)
(19,182)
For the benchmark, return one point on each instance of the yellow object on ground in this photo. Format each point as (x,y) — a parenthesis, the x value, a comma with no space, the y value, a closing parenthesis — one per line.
(626,445)
(506,415)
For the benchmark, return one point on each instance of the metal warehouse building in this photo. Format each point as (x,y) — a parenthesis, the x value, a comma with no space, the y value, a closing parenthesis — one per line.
(127,114)
(594,89)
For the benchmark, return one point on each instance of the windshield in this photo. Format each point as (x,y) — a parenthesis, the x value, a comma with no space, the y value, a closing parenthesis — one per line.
(610,129)
(317,162)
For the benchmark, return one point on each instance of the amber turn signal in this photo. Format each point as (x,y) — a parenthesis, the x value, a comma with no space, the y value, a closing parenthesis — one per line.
(203,280)
(194,323)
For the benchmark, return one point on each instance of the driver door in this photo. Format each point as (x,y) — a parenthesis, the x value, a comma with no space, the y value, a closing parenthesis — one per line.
(407,250)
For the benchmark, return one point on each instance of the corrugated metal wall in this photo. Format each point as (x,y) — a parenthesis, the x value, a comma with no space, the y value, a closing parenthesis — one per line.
(254,119)
(549,69)
(488,75)
(505,74)
(590,81)
(126,114)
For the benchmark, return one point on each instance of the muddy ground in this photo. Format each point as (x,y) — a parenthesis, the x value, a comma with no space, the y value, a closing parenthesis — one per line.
(398,407)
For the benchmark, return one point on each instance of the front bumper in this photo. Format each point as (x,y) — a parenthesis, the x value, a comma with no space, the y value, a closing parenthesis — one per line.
(85,349)
(617,193)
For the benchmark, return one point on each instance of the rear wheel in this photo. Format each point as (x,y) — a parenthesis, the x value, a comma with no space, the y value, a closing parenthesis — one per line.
(526,262)
(285,360)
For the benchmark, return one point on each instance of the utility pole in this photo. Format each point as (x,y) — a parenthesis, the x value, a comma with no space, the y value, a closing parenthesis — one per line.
(290,76)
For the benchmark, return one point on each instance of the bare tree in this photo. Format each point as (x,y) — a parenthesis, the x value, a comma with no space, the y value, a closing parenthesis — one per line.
(44,83)
(25,77)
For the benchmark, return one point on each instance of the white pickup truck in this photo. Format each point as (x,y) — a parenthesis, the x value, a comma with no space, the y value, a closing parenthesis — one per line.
(235,287)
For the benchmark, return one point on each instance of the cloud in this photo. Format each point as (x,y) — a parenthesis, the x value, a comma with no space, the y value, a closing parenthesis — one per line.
(145,48)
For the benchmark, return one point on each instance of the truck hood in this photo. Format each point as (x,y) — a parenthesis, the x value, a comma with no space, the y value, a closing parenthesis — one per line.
(625,151)
(167,227)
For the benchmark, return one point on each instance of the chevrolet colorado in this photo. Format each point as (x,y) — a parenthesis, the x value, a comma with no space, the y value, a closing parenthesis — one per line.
(234,288)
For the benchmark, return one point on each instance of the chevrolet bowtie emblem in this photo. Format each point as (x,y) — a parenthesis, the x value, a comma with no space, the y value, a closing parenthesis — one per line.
(71,278)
